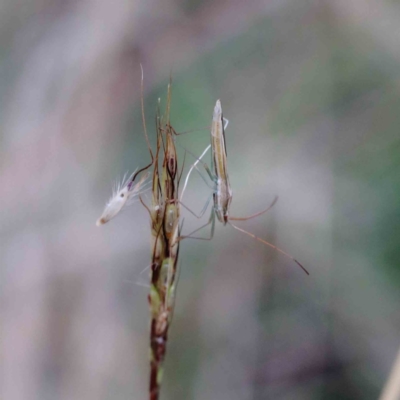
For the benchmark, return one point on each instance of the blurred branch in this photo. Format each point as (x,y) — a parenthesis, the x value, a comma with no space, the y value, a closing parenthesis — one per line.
(391,391)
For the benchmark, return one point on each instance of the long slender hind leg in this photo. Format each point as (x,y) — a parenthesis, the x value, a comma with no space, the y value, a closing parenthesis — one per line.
(203,210)
(257,214)
(270,245)
(210,221)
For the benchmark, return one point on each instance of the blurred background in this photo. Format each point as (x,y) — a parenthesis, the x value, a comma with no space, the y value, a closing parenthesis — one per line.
(312,92)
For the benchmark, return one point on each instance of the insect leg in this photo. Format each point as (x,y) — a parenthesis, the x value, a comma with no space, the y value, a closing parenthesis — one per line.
(270,245)
(210,221)
(203,210)
(255,215)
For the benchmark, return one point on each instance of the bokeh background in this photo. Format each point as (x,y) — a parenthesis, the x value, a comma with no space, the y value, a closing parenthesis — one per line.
(312,92)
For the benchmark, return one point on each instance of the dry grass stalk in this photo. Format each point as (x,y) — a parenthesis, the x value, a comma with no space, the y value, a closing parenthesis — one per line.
(164,213)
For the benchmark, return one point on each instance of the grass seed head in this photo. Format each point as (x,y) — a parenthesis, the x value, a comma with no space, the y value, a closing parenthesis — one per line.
(124,193)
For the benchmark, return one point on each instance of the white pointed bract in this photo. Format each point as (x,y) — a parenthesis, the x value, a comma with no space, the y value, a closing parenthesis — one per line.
(124,193)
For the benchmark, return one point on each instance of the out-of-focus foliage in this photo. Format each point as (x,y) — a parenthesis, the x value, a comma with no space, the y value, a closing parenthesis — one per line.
(312,93)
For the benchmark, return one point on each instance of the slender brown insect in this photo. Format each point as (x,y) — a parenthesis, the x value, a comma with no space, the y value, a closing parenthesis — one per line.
(222,193)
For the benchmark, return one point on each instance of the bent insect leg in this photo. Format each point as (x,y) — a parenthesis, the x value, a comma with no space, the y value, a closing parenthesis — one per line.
(256,214)
(210,221)
(203,210)
(270,245)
